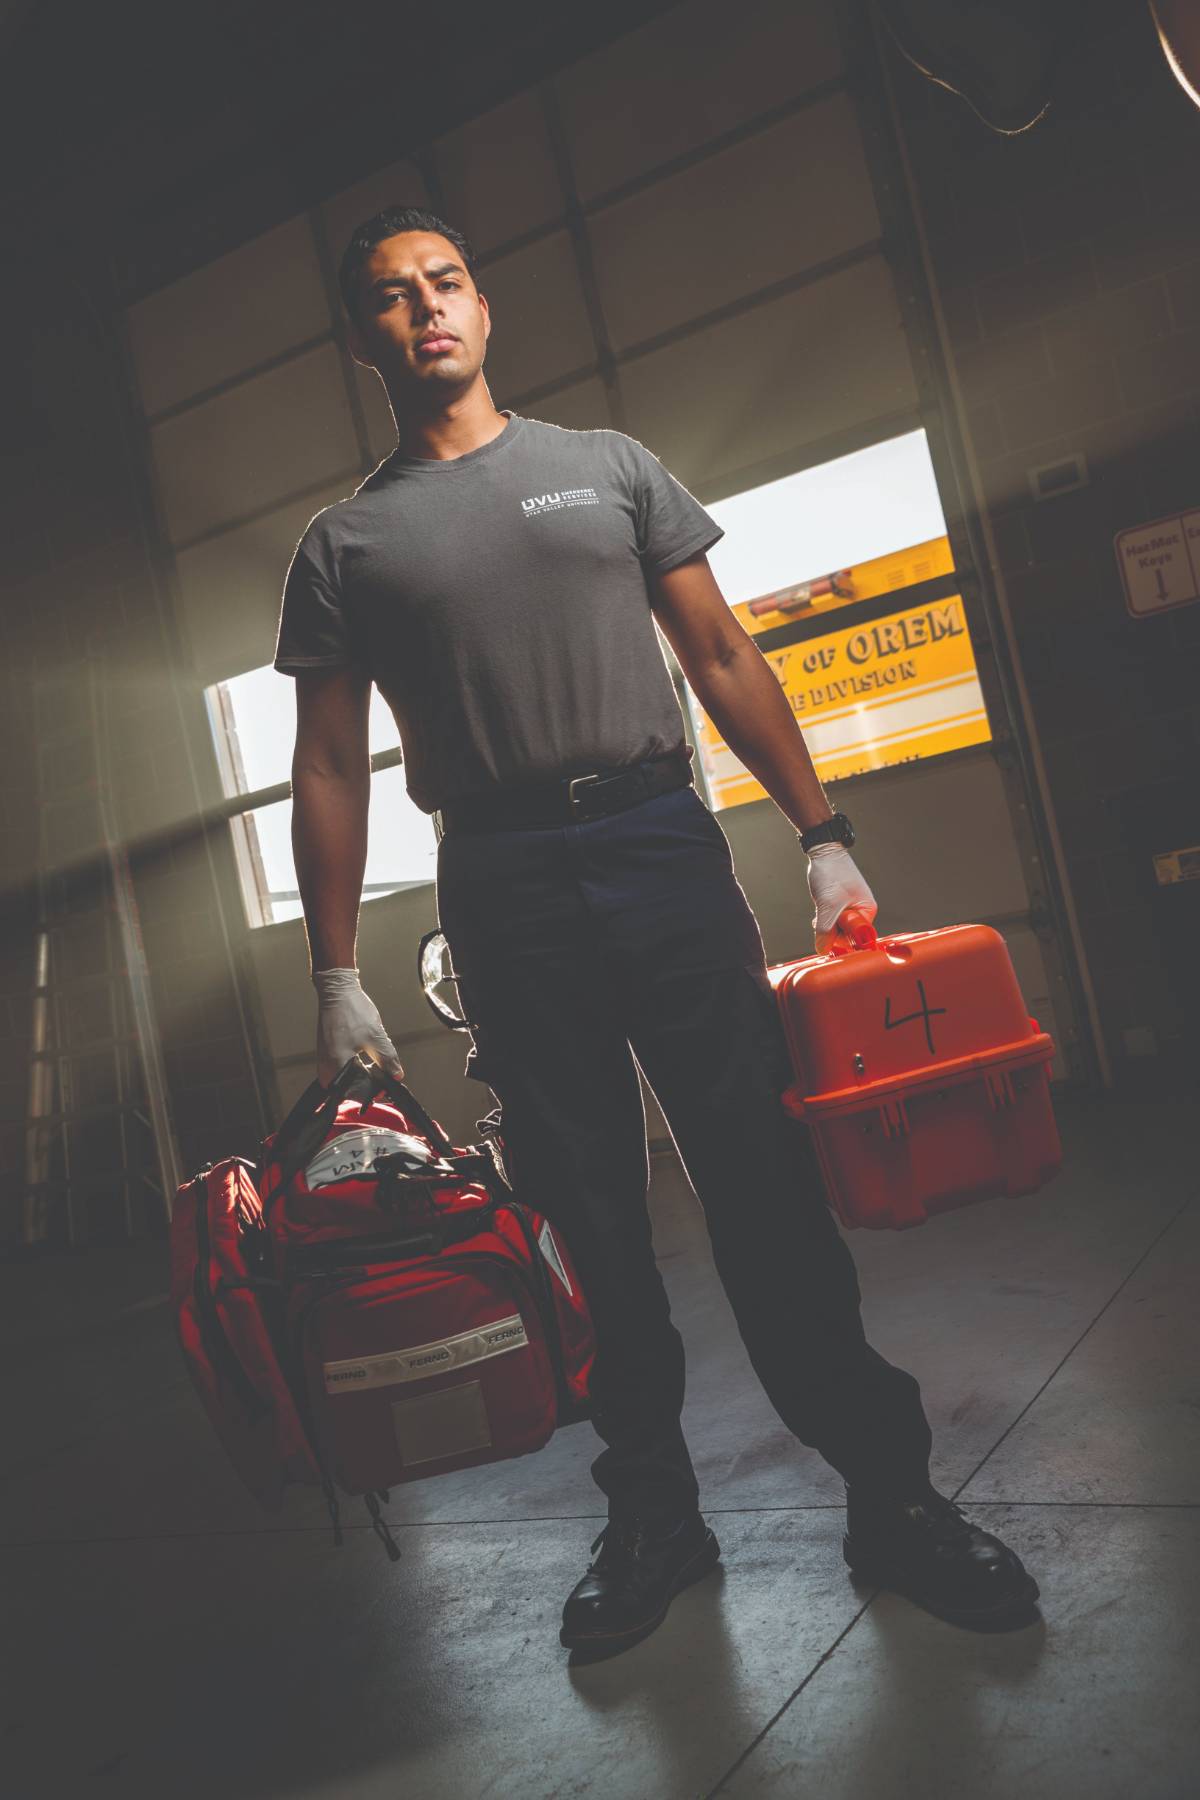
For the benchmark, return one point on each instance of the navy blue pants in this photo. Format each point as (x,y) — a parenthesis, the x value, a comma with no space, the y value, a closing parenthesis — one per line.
(579,949)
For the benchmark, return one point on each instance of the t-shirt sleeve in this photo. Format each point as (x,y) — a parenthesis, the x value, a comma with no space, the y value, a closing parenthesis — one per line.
(312,625)
(671,524)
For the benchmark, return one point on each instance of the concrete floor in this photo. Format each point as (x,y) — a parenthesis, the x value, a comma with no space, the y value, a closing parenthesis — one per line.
(165,1639)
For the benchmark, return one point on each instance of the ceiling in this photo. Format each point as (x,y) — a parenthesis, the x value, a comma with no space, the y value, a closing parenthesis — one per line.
(172,132)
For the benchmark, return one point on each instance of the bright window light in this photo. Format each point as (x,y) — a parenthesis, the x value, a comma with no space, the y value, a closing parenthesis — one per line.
(259,711)
(253,719)
(896,684)
(844,512)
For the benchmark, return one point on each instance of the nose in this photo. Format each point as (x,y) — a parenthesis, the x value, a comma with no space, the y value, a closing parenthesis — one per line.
(429,301)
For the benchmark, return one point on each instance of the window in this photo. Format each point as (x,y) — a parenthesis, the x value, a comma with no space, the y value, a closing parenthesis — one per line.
(840,513)
(253,725)
(892,679)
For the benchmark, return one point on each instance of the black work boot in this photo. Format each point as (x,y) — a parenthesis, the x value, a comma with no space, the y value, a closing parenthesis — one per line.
(630,1584)
(927,1550)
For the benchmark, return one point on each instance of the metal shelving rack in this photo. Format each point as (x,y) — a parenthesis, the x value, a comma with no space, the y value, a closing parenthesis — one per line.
(102,1162)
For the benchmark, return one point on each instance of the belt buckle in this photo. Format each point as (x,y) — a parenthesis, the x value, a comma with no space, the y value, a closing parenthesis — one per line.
(579,781)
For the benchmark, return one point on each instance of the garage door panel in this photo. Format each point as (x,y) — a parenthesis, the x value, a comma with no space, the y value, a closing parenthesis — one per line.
(498,176)
(793,371)
(377,411)
(249,306)
(777,203)
(540,324)
(287,998)
(934,841)
(1029,962)
(399,184)
(273,436)
(689,76)
(231,586)
(581,407)
(937,838)
(774,385)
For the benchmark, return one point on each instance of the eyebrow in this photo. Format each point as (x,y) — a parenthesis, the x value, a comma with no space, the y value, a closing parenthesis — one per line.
(450,268)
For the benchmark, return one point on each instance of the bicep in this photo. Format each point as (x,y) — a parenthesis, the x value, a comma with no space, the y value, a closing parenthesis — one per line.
(695,617)
(332,706)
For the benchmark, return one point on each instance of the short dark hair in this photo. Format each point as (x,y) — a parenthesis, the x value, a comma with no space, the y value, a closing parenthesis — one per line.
(386,224)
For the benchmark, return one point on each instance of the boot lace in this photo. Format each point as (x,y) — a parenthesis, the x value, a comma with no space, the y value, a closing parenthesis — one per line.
(951,1525)
(617,1535)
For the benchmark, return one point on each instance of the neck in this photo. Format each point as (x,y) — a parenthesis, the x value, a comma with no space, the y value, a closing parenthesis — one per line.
(449,429)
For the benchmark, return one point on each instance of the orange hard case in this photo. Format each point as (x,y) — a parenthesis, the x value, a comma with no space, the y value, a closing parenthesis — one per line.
(923,1078)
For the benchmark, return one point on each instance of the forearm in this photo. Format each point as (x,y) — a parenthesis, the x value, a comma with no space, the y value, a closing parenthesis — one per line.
(749,708)
(329,844)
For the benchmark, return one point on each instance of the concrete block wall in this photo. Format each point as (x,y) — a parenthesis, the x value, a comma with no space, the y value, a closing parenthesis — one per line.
(1067,263)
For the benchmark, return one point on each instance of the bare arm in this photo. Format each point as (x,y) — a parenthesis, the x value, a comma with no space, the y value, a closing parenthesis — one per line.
(737,689)
(331,787)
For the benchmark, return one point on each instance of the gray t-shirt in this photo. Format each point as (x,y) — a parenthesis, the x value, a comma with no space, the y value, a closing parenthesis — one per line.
(499,602)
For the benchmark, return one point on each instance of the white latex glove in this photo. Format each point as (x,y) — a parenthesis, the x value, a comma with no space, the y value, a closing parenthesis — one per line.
(835,883)
(347,1020)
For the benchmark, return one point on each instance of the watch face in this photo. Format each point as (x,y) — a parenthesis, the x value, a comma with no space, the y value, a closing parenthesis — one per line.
(844,829)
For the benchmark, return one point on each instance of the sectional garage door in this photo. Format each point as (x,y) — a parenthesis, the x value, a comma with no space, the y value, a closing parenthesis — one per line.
(679,238)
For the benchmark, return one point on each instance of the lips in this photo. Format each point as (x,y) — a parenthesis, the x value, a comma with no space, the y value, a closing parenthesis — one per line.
(437,340)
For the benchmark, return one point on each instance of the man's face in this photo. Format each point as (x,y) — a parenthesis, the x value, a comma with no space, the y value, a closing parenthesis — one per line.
(419,318)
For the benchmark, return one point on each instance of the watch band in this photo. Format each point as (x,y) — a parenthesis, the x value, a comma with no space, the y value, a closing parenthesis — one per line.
(836,830)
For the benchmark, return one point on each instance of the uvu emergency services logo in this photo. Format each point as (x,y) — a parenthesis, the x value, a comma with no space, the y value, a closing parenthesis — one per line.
(558,502)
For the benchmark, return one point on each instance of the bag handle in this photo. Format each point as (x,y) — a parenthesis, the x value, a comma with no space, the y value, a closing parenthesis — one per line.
(411,1107)
(361,1079)
(305,1129)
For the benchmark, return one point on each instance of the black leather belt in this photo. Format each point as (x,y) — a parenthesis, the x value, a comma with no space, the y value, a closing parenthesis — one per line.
(566,802)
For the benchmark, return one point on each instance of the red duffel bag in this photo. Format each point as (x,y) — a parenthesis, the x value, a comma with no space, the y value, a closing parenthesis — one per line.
(397,1301)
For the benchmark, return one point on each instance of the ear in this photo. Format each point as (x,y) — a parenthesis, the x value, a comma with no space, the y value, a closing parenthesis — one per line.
(355,345)
(487,317)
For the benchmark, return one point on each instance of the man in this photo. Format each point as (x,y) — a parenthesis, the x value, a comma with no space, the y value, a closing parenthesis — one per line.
(499,579)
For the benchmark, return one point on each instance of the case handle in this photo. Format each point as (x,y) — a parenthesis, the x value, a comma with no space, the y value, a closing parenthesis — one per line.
(853,922)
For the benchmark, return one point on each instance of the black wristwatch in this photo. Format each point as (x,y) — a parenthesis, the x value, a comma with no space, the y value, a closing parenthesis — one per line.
(837,830)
